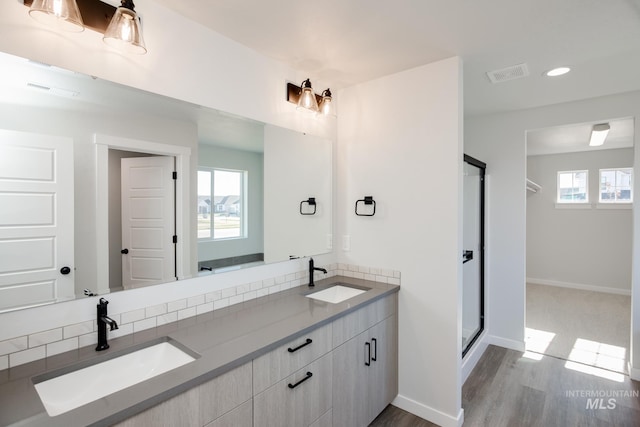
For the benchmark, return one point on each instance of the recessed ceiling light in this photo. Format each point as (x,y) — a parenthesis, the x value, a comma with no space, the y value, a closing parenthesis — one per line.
(557,72)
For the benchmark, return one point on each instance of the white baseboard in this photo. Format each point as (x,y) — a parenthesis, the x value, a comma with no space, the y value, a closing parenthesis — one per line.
(473,356)
(634,373)
(579,286)
(506,343)
(428,413)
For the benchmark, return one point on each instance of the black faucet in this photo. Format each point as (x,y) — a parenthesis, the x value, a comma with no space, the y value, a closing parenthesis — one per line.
(312,268)
(103,320)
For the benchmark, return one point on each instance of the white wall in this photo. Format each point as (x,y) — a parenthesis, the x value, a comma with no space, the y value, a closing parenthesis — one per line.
(586,248)
(252,162)
(499,140)
(400,141)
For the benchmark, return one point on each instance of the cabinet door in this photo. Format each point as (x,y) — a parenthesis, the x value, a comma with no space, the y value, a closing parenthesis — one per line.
(298,400)
(351,364)
(383,373)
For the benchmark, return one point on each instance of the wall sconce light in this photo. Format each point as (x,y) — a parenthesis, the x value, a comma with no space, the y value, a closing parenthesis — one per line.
(599,134)
(61,14)
(306,99)
(120,26)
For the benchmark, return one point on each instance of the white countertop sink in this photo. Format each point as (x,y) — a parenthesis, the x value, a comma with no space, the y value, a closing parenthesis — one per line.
(79,387)
(336,294)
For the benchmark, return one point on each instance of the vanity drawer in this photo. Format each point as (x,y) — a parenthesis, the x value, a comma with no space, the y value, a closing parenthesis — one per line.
(299,400)
(285,360)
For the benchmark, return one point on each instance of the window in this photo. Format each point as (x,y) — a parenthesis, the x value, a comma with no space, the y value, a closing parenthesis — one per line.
(616,185)
(221,211)
(573,187)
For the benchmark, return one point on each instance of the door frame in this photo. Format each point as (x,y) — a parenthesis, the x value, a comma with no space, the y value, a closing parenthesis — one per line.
(182,201)
(483,168)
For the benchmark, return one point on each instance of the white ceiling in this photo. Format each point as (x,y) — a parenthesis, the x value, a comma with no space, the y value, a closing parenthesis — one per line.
(573,138)
(342,43)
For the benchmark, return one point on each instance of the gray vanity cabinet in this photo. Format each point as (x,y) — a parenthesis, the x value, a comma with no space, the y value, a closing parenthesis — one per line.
(299,400)
(365,375)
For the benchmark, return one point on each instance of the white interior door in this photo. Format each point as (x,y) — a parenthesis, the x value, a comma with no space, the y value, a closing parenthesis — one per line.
(36,219)
(148,224)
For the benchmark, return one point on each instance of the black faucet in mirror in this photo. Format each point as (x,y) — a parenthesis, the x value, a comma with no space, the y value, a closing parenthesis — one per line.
(313,268)
(103,321)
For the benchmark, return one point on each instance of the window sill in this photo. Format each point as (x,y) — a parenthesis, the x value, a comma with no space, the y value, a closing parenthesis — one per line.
(614,206)
(573,206)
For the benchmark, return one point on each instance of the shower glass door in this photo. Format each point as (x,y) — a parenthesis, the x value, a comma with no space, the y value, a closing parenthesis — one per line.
(473,252)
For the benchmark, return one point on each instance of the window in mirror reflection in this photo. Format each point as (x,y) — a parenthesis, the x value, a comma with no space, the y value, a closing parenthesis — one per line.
(221,204)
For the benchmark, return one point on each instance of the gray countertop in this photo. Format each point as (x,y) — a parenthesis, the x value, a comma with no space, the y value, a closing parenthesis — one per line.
(224,339)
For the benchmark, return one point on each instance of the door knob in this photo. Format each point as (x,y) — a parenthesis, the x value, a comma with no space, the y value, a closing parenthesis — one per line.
(124,251)
(65,270)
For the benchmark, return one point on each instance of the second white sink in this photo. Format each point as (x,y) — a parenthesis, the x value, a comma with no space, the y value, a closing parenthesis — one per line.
(79,387)
(336,294)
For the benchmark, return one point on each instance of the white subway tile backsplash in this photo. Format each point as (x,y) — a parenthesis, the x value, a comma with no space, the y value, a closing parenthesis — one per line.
(88,339)
(26,356)
(167,318)
(156,310)
(141,325)
(25,349)
(124,329)
(235,299)
(77,329)
(221,303)
(196,300)
(243,288)
(45,337)
(62,346)
(13,345)
(204,308)
(229,292)
(187,312)
(249,295)
(213,296)
(132,316)
(177,305)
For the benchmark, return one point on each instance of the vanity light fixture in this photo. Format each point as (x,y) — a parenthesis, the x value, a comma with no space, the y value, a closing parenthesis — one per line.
(599,134)
(307,100)
(61,14)
(120,26)
(326,106)
(123,32)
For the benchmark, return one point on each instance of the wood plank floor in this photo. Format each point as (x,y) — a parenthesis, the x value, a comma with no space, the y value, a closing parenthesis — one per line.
(507,389)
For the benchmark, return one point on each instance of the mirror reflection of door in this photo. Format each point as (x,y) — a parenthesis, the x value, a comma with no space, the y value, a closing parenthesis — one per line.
(36,219)
(473,252)
(148,220)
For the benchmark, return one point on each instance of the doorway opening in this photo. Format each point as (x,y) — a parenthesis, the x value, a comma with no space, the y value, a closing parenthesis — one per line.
(579,244)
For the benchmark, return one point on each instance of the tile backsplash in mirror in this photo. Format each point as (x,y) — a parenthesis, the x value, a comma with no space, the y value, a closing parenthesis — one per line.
(28,348)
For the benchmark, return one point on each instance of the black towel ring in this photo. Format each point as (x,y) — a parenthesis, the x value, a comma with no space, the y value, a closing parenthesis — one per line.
(368,200)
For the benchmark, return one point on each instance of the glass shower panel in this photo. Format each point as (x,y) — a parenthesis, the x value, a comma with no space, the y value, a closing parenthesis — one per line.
(472,257)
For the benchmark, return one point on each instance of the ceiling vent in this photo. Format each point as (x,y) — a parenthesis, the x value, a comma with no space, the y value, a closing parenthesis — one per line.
(509,73)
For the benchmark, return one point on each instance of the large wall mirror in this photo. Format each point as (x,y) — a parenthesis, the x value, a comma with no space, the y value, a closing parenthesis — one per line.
(87,188)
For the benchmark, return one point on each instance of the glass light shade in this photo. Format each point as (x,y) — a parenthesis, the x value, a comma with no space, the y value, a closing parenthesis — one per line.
(326,106)
(124,33)
(599,134)
(307,100)
(61,14)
